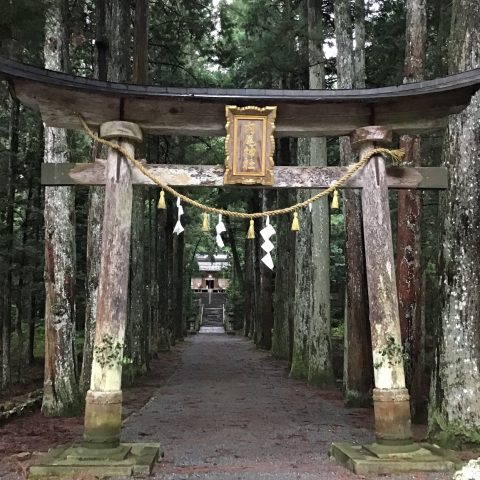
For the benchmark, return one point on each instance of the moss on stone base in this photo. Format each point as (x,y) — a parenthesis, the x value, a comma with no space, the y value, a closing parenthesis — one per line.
(453,435)
(354,399)
(299,369)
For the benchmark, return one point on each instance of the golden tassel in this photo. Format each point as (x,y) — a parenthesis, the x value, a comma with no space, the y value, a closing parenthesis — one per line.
(295,223)
(206,223)
(335,203)
(161,201)
(251,230)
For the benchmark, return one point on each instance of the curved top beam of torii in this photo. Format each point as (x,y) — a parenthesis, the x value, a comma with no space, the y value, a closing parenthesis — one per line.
(409,108)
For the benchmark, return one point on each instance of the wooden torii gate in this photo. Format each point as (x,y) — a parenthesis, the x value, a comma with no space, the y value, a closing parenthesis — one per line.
(123,111)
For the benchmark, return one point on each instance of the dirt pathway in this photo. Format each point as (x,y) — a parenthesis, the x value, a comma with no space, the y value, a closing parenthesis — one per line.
(231,412)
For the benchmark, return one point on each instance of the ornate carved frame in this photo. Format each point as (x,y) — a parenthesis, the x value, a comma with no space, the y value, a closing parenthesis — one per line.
(240,167)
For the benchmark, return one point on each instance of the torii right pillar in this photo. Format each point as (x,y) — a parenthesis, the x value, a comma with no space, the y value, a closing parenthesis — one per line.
(393,449)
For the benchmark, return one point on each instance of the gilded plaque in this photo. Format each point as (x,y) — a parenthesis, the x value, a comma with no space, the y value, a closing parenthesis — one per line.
(249,145)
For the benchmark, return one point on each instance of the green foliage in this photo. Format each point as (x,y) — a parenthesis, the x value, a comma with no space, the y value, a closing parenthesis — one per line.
(386,44)
(109,353)
(392,352)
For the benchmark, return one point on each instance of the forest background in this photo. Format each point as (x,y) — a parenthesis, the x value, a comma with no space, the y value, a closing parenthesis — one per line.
(312,310)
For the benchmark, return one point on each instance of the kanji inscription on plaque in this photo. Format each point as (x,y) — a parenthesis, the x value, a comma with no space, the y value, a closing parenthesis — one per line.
(249,145)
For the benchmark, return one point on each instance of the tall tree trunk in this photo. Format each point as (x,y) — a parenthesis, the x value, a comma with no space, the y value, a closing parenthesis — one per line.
(61,395)
(7,303)
(170,259)
(248,290)
(138,274)
(282,340)
(266,285)
(357,381)
(180,320)
(454,404)
(25,282)
(162,282)
(312,293)
(409,277)
(258,314)
(360,35)
(236,257)
(37,300)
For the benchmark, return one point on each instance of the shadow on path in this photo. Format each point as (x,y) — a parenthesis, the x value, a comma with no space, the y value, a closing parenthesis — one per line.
(231,412)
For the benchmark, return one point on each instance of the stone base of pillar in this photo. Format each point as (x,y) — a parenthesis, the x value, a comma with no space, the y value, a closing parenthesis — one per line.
(392,416)
(103,418)
(77,461)
(376,459)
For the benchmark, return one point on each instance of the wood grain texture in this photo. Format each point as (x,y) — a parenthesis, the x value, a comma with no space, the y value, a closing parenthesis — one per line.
(380,267)
(409,108)
(113,284)
(212,176)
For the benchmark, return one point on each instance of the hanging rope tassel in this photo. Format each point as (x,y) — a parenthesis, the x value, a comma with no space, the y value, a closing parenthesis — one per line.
(206,223)
(295,223)
(335,203)
(251,230)
(161,201)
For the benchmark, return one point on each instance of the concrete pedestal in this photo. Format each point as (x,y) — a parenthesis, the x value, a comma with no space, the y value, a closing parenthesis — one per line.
(127,459)
(377,459)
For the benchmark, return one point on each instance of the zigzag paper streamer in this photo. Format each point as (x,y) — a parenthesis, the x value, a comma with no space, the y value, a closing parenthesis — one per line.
(178,226)
(267,246)
(220,228)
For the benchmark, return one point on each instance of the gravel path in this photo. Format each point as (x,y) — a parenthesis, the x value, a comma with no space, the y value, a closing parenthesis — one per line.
(231,412)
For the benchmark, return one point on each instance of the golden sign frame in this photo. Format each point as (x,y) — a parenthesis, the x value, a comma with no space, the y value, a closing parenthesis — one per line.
(251,174)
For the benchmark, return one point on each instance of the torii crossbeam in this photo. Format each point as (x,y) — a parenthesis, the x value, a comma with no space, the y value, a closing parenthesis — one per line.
(124,111)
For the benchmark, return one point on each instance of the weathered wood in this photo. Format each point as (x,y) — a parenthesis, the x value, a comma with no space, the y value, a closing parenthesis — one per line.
(410,108)
(391,400)
(373,133)
(104,399)
(212,176)
(127,131)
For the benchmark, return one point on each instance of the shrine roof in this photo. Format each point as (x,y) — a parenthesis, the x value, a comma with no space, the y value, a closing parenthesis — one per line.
(408,108)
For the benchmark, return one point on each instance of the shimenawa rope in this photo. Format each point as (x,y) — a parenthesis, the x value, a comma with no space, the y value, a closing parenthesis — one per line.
(395,155)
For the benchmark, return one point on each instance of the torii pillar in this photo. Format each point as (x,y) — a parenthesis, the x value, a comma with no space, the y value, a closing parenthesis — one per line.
(103,406)
(393,449)
(101,453)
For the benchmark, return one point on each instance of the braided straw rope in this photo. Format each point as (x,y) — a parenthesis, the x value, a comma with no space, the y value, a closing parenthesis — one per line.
(395,155)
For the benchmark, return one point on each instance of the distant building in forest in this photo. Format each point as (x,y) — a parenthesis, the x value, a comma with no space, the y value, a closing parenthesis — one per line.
(210,276)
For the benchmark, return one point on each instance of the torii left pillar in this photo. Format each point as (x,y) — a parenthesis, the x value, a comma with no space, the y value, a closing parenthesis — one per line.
(102,454)
(103,409)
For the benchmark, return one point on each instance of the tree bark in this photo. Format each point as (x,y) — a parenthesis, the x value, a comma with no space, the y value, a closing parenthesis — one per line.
(61,395)
(7,303)
(282,340)
(236,258)
(162,283)
(266,285)
(248,290)
(357,381)
(180,320)
(137,318)
(408,259)
(311,345)
(360,35)
(454,403)
(170,259)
